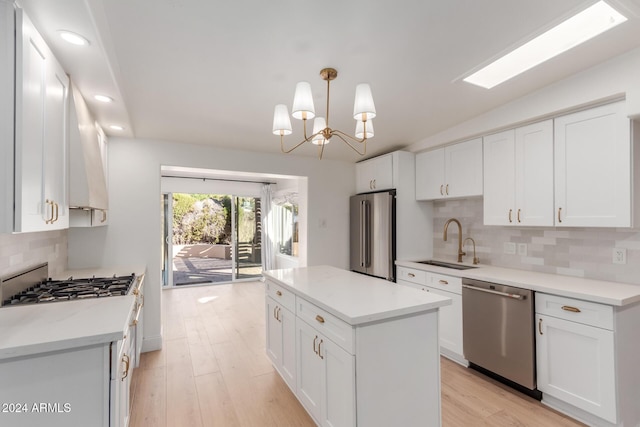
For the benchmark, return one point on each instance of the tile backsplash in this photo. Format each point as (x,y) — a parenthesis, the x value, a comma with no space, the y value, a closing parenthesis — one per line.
(21,251)
(582,252)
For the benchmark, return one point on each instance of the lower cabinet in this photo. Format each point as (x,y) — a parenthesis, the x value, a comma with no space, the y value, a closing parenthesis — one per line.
(450,316)
(326,375)
(281,340)
(585,359)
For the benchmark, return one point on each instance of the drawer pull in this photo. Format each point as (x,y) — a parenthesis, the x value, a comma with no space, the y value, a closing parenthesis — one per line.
(443,282)
(320,351)
(279,293)
(314,345)
(411,275)
(571,309)
(320,318)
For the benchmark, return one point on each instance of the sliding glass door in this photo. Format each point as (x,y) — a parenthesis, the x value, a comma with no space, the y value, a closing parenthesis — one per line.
(247,238)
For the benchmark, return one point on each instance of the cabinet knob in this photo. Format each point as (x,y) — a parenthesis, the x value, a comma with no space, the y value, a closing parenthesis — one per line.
(279,293)
(320,318)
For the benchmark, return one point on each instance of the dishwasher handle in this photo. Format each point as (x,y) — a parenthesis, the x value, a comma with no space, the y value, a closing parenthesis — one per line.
(490,291)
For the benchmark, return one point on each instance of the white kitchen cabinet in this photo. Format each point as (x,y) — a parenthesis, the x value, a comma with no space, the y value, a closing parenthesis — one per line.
(452,171)
(518,176)
(41,134)
(450,316)
(326,384)
(375,174)
(351,375)
(576,354)
(281,339)
(121,382)
(593,167)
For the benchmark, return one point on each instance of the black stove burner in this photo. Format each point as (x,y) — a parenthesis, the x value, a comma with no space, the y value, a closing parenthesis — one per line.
(70,289)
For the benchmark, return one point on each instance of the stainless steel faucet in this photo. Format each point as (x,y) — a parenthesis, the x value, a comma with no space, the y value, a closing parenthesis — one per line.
(444,236)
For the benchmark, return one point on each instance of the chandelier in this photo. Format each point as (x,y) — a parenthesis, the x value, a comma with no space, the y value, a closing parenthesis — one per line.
(363,112)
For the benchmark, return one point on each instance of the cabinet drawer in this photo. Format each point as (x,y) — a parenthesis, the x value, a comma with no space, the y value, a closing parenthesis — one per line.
(327,324)
(412,275)
(575,310)
(446,283)
(282,296)
(413,285)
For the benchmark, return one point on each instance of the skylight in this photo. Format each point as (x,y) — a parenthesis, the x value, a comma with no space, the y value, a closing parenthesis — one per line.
(576,30)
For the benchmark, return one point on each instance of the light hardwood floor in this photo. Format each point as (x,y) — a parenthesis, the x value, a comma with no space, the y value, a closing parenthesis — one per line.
(213,371)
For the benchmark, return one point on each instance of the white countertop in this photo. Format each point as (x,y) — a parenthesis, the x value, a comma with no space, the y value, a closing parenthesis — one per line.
(39,328)
(612,293)
(353,297)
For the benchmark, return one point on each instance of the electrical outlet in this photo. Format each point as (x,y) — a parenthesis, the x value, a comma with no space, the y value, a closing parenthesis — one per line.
(509,248)
(522,249)
(619,256)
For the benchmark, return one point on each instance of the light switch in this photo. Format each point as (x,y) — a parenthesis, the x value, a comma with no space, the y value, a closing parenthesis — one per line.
(522,249)
(509,248)
(619,256)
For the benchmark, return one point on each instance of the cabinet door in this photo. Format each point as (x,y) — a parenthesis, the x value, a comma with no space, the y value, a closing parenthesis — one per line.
(41,199)
(499,178)
(375,174)
(463,169)
(56,142)
(576,364)
(450,322)
(309,369)
(32,54)
(274,333)
(288,366)
(430,183)
(339,391)
(593,168)
(534,174)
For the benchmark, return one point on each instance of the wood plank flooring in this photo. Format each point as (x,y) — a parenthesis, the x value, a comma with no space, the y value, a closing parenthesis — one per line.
(213,371)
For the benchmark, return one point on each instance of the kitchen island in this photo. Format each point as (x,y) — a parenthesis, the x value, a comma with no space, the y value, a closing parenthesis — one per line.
(355,350)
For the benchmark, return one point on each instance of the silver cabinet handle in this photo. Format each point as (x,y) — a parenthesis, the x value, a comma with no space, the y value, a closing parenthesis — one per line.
(489,291)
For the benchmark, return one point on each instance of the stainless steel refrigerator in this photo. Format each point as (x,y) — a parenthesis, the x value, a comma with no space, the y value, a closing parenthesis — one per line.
(373,244)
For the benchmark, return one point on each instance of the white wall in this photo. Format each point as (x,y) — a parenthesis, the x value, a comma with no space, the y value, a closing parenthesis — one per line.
(133,235)
(614,78)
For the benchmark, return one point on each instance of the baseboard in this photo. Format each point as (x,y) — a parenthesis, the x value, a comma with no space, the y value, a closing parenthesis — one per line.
(454,357)
(573,412)
(151,343)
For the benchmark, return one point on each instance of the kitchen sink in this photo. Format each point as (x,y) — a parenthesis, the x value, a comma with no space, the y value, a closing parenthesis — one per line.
(446,264)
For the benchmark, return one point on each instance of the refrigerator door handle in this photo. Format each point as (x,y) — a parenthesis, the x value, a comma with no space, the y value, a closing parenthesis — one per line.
(363,233)
(367,242)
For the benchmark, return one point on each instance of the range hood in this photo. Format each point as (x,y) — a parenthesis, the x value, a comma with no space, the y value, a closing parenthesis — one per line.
(87,183)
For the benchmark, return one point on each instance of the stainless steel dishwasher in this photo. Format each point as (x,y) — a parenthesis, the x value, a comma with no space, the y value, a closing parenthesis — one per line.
(498,332)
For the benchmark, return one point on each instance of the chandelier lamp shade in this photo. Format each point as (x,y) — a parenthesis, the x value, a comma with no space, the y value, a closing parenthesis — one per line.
(303,109)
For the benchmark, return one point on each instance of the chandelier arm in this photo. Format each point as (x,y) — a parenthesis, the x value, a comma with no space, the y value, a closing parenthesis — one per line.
(307,139)
(364,141)
(342,134)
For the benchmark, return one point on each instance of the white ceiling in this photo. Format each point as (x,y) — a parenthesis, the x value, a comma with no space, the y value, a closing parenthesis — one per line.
(211,72)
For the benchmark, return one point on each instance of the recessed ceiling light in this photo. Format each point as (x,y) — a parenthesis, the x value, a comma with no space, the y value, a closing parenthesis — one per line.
(73,38)
(103,98)
(116,127)
(576,30)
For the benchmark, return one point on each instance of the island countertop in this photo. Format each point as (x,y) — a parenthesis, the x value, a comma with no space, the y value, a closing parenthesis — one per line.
(353,297)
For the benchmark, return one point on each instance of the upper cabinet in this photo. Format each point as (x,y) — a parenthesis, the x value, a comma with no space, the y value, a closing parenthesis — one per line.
(41,134)
(452,171)
(375,174)
(518,176)
(593,167)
